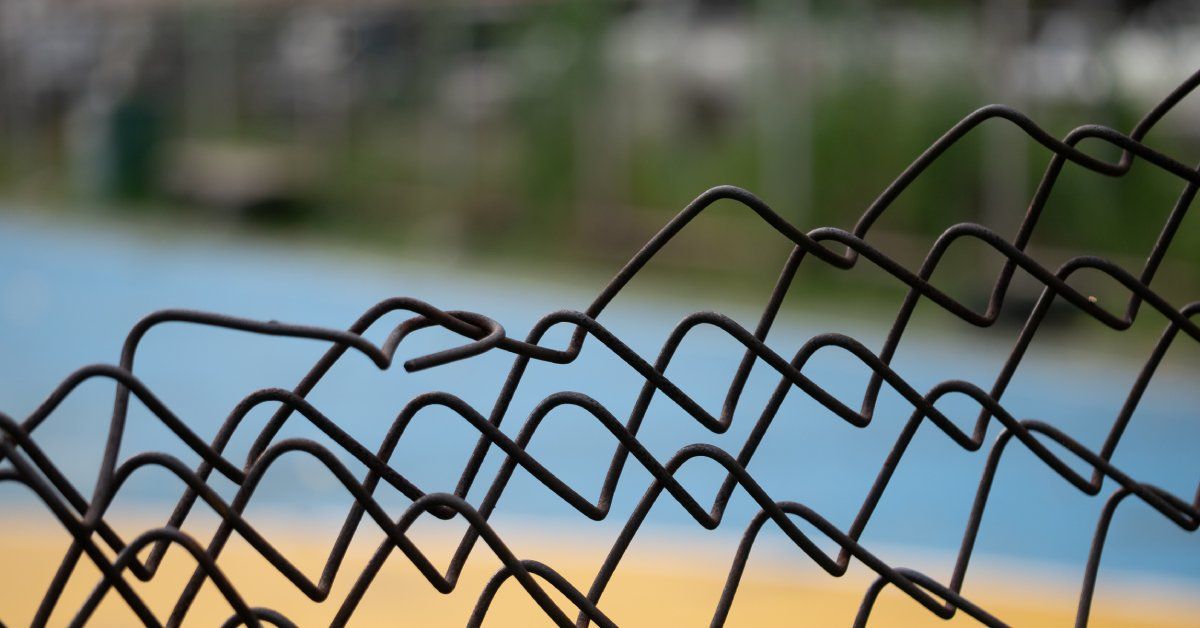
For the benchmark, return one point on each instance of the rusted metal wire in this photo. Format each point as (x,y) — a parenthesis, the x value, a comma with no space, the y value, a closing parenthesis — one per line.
(24,462)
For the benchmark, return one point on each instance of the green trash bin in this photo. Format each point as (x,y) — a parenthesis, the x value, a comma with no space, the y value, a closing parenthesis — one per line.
(135,138)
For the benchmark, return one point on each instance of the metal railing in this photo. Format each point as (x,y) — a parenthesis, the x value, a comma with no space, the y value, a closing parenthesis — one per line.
(22,461)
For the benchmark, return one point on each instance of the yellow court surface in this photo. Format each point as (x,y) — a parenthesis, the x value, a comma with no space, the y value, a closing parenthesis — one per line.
(657,584)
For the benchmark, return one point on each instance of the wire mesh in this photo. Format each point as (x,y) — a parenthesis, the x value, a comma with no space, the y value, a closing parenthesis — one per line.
(94,536)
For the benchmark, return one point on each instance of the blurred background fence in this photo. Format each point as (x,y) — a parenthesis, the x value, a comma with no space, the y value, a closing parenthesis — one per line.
(567,131)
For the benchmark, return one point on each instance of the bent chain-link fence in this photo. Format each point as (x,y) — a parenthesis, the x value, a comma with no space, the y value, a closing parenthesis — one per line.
(22,461)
